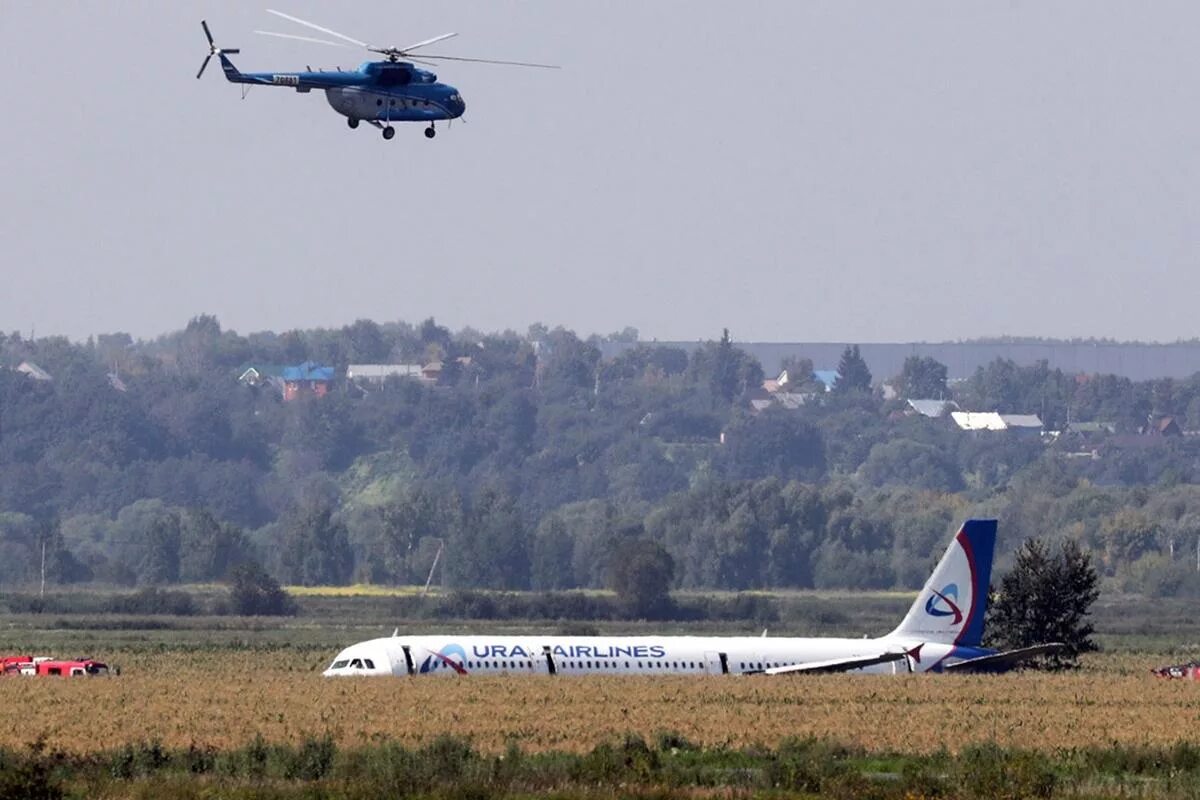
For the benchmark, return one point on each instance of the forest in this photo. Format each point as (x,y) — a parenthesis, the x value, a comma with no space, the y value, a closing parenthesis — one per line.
(527,461)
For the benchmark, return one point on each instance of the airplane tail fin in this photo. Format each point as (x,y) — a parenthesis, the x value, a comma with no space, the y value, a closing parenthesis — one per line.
(950,607)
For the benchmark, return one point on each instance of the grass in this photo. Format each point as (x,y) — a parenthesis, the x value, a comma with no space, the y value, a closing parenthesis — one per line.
(624,766)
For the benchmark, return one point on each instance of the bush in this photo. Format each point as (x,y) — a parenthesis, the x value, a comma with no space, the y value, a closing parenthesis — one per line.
(254,593)
(153,600)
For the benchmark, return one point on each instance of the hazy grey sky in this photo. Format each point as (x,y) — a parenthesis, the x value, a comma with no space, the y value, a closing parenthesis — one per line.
(792,170)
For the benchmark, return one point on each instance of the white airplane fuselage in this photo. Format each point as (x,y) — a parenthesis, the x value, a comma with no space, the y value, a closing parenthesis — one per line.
(629,655)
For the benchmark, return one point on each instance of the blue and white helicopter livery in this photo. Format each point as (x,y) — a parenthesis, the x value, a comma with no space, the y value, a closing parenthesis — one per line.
(942,632)
(378,92)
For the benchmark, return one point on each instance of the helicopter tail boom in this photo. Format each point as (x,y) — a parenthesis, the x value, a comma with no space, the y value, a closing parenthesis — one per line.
(232,74)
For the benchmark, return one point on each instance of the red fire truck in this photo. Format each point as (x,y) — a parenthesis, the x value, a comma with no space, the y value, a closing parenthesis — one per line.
(43,665)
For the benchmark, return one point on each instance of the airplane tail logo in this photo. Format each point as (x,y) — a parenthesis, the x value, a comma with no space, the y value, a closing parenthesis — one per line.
(945,603)
(950,608)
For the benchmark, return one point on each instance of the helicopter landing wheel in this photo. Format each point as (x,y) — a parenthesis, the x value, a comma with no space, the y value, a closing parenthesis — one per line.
(352,122)
(430,132)
(388,133)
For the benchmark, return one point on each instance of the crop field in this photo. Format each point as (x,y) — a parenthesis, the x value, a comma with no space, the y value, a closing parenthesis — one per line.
(218,706)
(222,698)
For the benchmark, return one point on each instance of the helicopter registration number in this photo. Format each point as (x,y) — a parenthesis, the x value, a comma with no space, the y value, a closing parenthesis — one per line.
(286,80)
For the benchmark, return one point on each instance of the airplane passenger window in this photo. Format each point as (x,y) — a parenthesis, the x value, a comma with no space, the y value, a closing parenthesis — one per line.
(639,665)
(626,665)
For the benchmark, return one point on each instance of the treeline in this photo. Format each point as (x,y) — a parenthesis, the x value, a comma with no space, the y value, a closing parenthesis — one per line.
(534,463)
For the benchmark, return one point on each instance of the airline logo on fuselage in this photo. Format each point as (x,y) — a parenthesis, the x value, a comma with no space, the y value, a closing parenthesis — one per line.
(559,651)
(945,603)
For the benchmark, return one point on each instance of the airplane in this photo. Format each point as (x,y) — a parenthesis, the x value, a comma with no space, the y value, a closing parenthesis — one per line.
(378,92)
(942,632)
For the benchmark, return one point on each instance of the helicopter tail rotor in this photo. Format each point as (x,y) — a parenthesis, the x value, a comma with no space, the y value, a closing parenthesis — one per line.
(213,50)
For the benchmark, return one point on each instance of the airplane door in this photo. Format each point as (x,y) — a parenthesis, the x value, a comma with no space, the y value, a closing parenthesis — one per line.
(545,664)
(716,663)
(408,660)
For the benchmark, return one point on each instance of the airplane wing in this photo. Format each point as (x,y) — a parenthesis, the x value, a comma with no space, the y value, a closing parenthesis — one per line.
(1004,659)
(836,664)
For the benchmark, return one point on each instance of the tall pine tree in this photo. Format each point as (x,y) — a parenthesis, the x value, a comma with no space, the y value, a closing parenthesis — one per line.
(853,376)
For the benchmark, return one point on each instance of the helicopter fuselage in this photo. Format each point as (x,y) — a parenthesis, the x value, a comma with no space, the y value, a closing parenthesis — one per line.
(377,92)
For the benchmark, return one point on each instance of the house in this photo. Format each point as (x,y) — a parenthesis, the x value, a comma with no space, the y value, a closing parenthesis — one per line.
(977,420)
(771,386)
(379,373)
(306,378)
(790,401)
(432,372)
(1091,428)
(261,374)
(1029,424)
(32,370)
(934,409)
(1162,426)
(994,421)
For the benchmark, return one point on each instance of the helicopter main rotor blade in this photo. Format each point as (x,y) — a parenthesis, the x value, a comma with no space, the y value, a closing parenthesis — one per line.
(300,38)
(316,27)
(491,61)
(203,66)
(427,42)
(204,24)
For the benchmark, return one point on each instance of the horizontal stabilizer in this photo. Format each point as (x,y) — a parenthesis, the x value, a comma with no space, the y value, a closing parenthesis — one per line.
(836,664)
(1004,659)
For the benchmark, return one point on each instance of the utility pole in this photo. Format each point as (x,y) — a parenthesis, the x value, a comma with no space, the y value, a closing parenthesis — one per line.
(42,593)
(442,546)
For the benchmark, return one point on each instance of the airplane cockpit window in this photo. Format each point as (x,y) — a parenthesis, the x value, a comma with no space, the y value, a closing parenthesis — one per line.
(339,664)
(370,664)
(356,664)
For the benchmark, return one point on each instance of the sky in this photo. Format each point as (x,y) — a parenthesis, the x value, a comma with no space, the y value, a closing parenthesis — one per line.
(789,169)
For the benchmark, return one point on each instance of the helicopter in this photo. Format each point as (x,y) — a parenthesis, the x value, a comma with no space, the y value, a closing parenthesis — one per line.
(378,92)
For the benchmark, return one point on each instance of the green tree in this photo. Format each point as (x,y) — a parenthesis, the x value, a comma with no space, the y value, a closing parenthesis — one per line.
(903,462)
(316,548)
(853,376)
(254,593)
(922,377)
(1045,598)
(641,572)
(776,443)
(726,370)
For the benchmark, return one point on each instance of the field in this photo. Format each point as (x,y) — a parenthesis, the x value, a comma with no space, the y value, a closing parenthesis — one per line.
(220,681)
(222,699)
(198,692)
